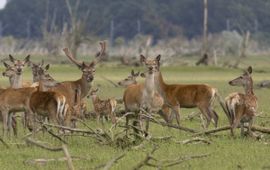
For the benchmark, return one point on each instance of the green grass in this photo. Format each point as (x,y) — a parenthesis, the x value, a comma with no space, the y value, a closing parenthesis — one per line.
(225,152)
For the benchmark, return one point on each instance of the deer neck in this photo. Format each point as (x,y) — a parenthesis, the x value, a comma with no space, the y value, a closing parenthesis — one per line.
(249,88)
(85,86)
(160,84)
(42,87)
(16,81)
(150,82)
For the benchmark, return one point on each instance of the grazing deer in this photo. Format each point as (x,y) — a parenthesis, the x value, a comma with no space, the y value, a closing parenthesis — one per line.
(69,88)
(241,107)
(187,96)
(103,107)
(131,79)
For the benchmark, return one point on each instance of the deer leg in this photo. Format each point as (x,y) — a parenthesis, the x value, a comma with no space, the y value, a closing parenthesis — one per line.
(9,122)
(214,116)
(127,119)
(5,122)
(165,113)
(206,116)
(175,110)
(14,126)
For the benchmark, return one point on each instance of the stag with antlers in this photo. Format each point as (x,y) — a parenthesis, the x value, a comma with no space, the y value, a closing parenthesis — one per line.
(70,88)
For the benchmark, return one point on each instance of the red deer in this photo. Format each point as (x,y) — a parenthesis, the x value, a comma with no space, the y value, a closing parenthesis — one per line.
(51,104)
(69,88)
(143,95)
(242,107)
(131,79)
(103,107)
(187,96)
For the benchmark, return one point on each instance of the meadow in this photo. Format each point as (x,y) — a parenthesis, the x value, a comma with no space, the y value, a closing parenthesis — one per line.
(225,152)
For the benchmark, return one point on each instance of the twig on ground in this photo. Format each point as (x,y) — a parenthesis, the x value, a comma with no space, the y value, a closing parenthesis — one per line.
(39,144)
(69,160)
(196,139)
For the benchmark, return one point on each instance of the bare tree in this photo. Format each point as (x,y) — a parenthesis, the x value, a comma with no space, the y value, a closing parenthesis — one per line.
(75,36)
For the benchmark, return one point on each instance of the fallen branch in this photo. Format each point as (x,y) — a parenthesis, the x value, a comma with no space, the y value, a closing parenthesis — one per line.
(4,143)
(70,129)
(69,160)
(54,135)
(110,163)
(213,131)
(175,126)
(39,144)
(196,139)
(146,160)
(43,161)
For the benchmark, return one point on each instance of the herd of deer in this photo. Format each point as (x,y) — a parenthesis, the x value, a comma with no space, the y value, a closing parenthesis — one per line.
(63,102)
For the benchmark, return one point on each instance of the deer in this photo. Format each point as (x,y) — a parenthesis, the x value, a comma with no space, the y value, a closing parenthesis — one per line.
(36,67)
(69,88)
(186,96)
(51,104)
(103,107)
(242,107)
(143,96)
(131,79)
(14,73)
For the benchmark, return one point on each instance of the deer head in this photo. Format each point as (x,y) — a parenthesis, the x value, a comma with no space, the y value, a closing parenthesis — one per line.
(46,81)
(10,71)
(88,69)
(93,92)
(151,64)
(19,64)
(37,69)
(131,79)
(243,80)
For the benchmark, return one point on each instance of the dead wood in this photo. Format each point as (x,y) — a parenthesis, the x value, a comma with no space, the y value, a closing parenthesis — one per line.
(196,139)
(174,126)
(109,164)
(41,145)
(54,135)
(263,84)
(213,131)
(146,160)
(70,129)
(43,161)
(68,157)
(4,143)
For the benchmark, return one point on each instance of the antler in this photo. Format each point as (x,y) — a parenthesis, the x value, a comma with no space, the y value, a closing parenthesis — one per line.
(71,57)
(102,50)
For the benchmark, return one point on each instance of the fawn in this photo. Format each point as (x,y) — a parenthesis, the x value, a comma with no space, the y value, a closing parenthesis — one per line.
(103,107)
(242,107)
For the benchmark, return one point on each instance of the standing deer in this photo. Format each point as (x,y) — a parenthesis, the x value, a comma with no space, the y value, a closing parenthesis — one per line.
(51,104)
(14,73)
(187,96)
(241,107)
(70,88)
(144,95)
(103,107)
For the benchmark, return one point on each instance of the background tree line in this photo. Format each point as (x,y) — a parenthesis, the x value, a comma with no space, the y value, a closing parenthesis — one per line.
(162,19)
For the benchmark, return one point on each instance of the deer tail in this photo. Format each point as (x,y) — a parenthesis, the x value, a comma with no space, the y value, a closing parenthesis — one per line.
(224,106)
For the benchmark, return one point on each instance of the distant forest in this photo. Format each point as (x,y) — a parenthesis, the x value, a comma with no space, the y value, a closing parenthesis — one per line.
(126,18)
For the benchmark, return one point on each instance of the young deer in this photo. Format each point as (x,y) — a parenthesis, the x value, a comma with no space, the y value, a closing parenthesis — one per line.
(187,96)
(241,107)
(131,79)
(103,107)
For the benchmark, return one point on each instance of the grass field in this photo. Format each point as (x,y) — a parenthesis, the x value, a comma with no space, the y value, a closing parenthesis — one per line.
(225,152)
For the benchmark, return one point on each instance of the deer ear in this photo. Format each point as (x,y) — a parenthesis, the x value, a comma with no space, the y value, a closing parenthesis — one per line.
(42,62)
(6,65)
(158,57)
(142,58)
(132,72)
(137,74)
(142,75)
(92,64)
(249,69)
(27,59)
(11,58)
(47,67)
